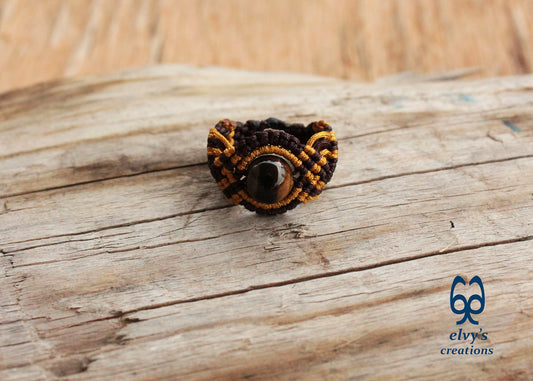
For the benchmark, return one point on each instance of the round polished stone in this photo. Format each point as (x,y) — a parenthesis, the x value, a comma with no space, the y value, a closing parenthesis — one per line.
(269,179)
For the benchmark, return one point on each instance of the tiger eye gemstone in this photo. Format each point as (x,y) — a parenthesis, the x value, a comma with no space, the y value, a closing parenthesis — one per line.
(269,179)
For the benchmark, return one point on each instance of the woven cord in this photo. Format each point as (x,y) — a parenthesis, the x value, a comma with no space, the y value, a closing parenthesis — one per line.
(311,149)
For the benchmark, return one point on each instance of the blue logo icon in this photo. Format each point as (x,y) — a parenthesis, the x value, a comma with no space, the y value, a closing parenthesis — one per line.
(467,304)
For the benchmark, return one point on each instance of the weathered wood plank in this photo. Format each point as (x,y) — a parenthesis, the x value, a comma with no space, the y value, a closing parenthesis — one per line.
(161,262)
(433,180)
(393,319)
(487,138)
(394,322)
(146,114)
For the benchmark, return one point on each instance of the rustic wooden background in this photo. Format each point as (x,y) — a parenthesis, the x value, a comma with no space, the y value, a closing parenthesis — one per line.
(121,259)
(362,40)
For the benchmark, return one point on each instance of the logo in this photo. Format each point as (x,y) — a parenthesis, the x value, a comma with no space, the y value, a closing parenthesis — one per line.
(466,341)
(467,309)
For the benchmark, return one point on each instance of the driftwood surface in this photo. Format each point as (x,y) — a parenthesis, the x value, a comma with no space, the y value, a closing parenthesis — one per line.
(121,259)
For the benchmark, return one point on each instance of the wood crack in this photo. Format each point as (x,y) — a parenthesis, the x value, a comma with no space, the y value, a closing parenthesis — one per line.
(126,224)
(192,212)
(59,243)
(423,171)
(133,248)
(494,116)
(122,314)
(105,179)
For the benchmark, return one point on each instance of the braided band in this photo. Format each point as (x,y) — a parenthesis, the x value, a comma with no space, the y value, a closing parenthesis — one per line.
(310,152)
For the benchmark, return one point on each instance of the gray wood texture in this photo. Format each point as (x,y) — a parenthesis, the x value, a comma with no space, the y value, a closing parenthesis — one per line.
(121,259)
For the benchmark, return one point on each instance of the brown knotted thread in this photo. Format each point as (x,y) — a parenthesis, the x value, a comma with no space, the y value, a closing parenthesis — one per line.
(311,149)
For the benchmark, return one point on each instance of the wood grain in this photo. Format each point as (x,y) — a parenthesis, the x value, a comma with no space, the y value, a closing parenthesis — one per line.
(355,39)
(121,259)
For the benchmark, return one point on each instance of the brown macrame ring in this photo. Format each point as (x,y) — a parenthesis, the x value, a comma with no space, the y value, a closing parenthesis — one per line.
(311,150)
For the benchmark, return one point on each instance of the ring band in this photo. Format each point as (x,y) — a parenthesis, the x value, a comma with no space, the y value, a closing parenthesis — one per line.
(271,166)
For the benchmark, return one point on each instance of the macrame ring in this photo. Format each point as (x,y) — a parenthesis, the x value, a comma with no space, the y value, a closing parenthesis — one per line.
(311,152)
